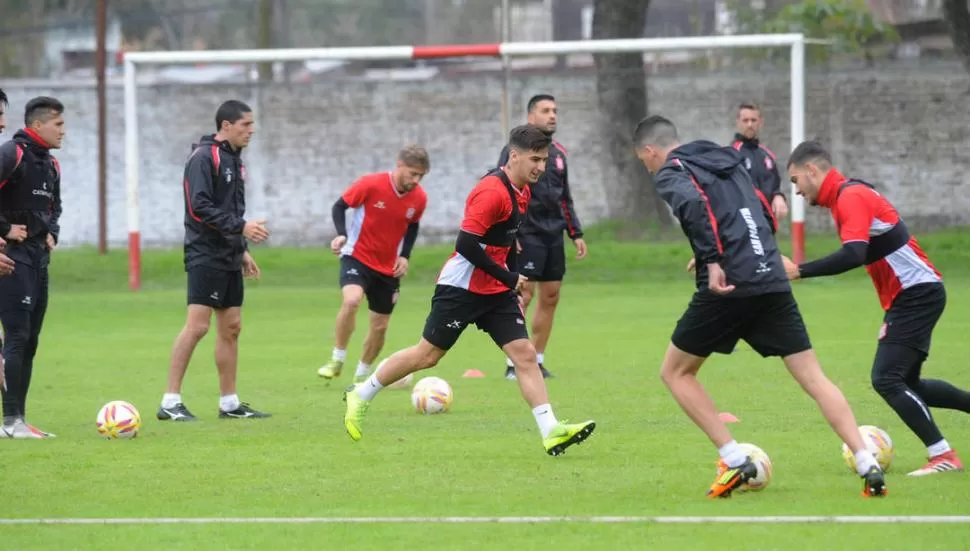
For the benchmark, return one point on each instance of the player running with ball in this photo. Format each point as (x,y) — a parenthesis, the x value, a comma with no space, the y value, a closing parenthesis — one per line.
(475,286)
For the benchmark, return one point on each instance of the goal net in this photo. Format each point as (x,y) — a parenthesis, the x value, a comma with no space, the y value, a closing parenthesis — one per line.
(326,116)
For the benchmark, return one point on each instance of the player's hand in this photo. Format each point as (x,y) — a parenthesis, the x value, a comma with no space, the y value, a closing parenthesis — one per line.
(337,244)
(580,248)
(717,280)
(691,264)
(18,232)
(256,231)
(780,207)
(249,267)
(6,265)
(791,268)
(3,244)
(521,283)
(400,267)
(51,243)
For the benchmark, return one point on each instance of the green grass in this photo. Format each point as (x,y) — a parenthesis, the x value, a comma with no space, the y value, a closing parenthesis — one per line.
(482,459)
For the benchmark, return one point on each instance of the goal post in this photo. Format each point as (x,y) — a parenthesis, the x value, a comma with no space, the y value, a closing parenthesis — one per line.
(132,60)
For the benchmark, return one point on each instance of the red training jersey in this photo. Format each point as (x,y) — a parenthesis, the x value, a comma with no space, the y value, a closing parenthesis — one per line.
(381,218)
(488,205)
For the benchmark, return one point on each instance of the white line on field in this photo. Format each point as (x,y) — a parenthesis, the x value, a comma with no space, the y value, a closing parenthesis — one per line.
(508,520)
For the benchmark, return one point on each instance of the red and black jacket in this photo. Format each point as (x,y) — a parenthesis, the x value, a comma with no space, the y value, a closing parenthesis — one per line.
(30,194)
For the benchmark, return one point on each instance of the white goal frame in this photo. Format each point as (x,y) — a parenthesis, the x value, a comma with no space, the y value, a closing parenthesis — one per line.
(794,41)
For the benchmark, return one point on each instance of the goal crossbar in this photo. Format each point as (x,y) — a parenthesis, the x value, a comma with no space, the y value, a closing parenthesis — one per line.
(794,41)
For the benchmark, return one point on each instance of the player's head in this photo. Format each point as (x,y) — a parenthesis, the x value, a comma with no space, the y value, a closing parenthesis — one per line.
(653,139)
(3,110)
(807,166)
(45,116)
(542,112)
(234,123)
(528,153)
(749,120)
(412,164)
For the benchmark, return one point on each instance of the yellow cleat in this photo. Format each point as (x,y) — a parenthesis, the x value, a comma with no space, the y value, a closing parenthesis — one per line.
(356,409)
(331,370)
(565,435)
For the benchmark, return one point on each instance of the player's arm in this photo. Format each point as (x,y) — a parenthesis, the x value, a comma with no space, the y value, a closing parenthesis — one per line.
(411,234)
(573,227)
(54,226)
(10,155)
(692,210)
(483,210)
(855,218)
(353,197)
(339,214)
(766,210)
(199,194)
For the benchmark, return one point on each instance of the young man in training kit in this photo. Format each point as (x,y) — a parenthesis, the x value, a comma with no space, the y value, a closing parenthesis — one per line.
(758,159)
(909,287)
(476,286)
(30,207)
(6,264)
(216,259)
(541,257)
(374,252)
(742,293)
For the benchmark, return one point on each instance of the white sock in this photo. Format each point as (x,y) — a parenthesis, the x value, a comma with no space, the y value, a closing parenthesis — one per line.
(545,418)
(864,461)
(229,403)
(362,369)
(939,448)
(732,454)
(369,388)
(508,362)
(539,357)
(169,399)
(339,355)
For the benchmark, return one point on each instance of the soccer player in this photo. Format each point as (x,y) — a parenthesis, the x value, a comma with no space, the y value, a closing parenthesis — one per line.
(909,287)
(216,259)
(475,286)
(541,257)
(4,103)
(742,293)
(758,159)
(374,254)
(30,208)
(6,264)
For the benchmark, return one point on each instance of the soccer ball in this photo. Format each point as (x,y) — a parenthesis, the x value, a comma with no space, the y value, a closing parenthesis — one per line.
(118,420)
(878,442)
(431,395)
(763,462)
(403,383)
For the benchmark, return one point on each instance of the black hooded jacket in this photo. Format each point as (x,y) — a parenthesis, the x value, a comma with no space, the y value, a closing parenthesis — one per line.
(726,218)
(214,188)
(30,194)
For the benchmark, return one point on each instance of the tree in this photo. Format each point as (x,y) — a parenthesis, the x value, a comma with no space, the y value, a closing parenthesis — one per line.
(957,16)
(621,89)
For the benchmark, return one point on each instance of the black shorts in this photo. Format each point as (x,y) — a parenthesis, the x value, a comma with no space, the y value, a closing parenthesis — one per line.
(913,315)
(770,323)
(381,290)
(24,288)
(453,309)
(542,262)
(215,288)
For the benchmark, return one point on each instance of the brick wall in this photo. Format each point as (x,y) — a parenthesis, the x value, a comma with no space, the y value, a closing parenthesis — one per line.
(905,129)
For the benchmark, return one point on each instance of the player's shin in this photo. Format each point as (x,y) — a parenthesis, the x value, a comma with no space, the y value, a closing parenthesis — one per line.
(679,373)
(399,365)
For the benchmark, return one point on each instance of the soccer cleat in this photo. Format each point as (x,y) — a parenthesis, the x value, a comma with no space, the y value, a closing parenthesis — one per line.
(874,483)
(509,373)
(545,372)
(178,412)
(331,370)
(21,430)
(356,410)
(732,478)
(942,463)
(563,436)
(243,412)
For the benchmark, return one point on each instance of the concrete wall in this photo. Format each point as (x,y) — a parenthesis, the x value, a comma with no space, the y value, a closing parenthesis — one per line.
(903,128)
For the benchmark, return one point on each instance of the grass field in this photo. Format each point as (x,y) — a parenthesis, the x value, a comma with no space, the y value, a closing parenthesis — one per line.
(484,458)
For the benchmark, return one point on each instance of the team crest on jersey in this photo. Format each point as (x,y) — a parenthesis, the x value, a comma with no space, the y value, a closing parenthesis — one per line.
(410,213)
(560,164)
(768,163)
(747,163)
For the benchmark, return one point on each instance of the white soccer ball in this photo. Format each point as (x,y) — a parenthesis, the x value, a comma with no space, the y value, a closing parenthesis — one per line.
(403,383)
(878,442)
(431,395)
(118,420)
(763,462)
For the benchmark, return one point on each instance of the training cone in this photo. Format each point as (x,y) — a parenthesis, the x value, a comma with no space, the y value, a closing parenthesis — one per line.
(728,418)
(473,374)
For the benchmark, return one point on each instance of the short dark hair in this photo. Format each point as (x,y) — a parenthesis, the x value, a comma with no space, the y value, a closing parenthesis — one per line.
(3,98)
(416,157)
(536,99)
(655,130)
(42,108)
(528,138)
(810,151)
(749,105)
(231,111)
